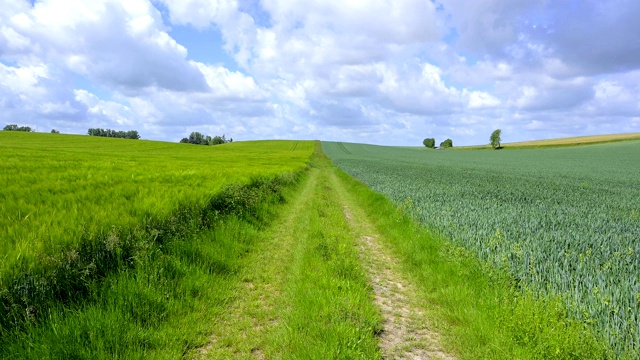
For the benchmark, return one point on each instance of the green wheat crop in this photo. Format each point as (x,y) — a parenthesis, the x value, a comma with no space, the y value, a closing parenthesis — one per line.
(562,221)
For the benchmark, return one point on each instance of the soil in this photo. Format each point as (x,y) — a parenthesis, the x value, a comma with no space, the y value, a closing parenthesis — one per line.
(406,333)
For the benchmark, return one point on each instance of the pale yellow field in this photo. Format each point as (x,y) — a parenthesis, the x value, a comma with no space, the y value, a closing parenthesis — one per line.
(579,140)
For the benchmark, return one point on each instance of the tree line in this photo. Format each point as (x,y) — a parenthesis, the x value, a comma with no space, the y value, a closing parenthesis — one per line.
(131,134)
(201,139)
(495,140)
(14,127)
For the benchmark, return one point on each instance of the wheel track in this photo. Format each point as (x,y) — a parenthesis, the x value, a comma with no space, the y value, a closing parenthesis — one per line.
(407,333)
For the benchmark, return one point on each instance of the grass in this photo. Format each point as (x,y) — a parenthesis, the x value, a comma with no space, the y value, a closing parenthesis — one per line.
(331,315)
(304,292)
(97,248)
(562,222)
(161,309)
(268,266)
(56,187)
(189,270)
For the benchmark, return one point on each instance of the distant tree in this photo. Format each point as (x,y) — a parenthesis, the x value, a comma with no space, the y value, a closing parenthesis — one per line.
(197,138)
(54,131)
(446,144)
(217,140)
(200,139)
(131,134)
(14,127)
(429,143)
(495,139)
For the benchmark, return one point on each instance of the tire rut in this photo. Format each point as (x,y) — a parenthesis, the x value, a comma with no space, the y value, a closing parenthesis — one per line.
(406,331)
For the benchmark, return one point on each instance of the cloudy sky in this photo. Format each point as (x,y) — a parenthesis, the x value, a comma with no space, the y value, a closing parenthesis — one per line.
(388,72)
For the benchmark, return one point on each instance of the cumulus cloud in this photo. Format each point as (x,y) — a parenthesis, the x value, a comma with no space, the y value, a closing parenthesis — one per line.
(595,36)
(488,26)
(379,71)
(32,94)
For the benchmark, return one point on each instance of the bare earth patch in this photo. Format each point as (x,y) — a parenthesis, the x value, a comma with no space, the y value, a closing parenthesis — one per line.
(406,333)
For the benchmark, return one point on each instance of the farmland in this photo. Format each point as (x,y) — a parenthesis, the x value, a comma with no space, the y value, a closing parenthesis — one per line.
(98,233)
(139,249)
(57,187)
(562,221)
(570,141)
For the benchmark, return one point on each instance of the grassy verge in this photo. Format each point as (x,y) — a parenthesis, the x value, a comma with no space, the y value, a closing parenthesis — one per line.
(330,314)
(479,311)
(149,292)
(304,293)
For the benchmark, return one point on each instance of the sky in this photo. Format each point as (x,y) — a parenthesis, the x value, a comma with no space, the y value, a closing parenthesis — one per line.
(388,72)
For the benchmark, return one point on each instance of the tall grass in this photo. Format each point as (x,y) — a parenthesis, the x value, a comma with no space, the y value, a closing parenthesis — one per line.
(328,310)
(89,221)
(55,188)
(162,307)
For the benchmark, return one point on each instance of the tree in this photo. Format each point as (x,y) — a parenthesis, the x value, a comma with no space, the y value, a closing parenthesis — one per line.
(495,139)
(131,134)
(446,144)
(200,139)
(14,127)
(54,131)
(197,138)
(217,140)
(429,143)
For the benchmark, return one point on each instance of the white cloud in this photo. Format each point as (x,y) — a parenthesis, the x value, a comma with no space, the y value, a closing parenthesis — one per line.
(106,113)
(380,71)
(24,81)
(200,13)
(225,84)
(421,92)
(479,100)
(114,43)
(488,26)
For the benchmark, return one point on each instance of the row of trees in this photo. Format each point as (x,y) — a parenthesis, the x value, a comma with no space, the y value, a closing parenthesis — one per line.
(494,138)
(14,127)
(131,134)
(201,139)
(431,143)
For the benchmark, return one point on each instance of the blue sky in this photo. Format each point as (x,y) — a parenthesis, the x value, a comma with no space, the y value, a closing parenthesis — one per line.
(380,71)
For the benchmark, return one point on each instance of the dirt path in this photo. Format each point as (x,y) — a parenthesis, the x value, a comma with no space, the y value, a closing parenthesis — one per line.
(255,313)
(406,333)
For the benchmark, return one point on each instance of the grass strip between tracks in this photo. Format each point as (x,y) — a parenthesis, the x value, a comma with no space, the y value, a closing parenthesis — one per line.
(304,292)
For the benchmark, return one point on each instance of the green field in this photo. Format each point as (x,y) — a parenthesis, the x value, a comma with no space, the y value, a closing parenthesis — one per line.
(562,221)
(55,187)
(97,222)
(117,248)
